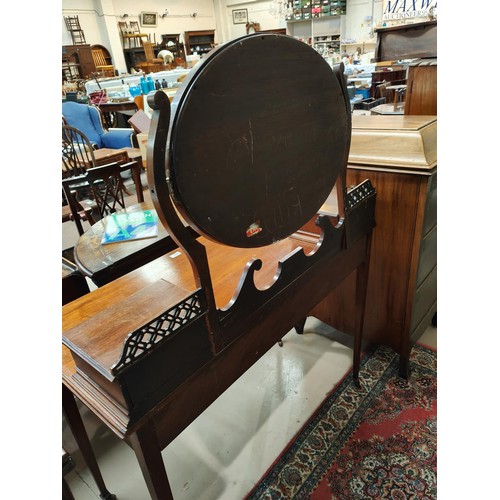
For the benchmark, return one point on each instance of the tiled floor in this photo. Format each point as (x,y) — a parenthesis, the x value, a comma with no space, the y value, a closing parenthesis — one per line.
(228,448)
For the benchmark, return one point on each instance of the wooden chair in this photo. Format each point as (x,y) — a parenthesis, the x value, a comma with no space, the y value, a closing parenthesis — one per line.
(75,30)
(100,62)
(106,189)
(77,152)
(125,33)
(152,62)
(394,96)
(133,34)
(77,157)
(79,196)
(139,101)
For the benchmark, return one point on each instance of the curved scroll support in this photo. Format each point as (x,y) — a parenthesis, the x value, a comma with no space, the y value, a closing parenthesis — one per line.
(157,160)
(295,266)
(246,280)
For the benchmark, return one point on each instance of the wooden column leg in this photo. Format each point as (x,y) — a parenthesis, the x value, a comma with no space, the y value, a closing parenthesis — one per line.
(77,427)
(404,361)
(361,289)
(145,445)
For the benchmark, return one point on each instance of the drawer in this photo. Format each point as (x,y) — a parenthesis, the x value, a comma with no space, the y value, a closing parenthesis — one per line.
(428,256)
(425,298)
(430,211)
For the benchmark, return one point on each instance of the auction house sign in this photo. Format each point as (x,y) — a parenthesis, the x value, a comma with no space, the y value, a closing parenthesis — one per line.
(407,9)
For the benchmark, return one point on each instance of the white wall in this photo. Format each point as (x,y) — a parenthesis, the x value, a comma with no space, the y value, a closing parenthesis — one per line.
(358,20)
(99,17)
(258,12)
(179,18)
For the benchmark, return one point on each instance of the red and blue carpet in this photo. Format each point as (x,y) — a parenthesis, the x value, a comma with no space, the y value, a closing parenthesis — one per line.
(378,441)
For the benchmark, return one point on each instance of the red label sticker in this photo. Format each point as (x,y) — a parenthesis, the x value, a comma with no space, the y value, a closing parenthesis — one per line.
(253,230)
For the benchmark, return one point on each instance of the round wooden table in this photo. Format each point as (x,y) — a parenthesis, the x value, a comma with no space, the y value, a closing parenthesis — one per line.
(104,263)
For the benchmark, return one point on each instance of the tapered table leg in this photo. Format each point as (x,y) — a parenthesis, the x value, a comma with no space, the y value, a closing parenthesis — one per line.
(299,327)
(145,445)
(75,422)
(361,289)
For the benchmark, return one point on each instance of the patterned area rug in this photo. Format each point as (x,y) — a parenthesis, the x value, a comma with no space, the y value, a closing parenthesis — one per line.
(375,442)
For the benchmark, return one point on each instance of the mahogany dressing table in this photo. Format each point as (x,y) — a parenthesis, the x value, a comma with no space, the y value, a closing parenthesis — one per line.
(247,163)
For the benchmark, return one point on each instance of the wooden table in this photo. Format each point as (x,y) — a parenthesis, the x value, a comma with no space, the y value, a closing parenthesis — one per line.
(397,90)
(161,284)
(248,167)
(116,114)
(108,155)
(104,263)
(388,109)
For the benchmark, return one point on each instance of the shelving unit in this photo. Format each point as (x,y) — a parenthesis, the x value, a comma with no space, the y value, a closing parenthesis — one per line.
(172,42)
(200,42)
(323,34)
(327,45)
(303,10)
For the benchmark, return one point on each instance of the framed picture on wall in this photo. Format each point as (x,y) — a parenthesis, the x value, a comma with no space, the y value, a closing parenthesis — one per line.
(240,16)
(149,19)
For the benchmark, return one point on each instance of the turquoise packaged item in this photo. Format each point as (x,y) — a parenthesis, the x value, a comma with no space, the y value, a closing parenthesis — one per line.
(144,86)
(151,83)
(135,90)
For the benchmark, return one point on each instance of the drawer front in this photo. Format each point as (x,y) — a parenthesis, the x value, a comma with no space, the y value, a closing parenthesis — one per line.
(425,298)
(430,211)
(428,256)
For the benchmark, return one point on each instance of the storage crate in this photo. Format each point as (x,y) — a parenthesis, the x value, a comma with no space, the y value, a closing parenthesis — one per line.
(365,93)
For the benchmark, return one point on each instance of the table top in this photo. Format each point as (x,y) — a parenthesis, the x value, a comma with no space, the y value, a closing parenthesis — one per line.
(389,109)
(104,263)
(104,154)
(396,87)
(125,107)
(108,155)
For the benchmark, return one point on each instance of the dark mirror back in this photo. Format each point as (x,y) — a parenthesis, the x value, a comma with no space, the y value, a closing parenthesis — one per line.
(260,131)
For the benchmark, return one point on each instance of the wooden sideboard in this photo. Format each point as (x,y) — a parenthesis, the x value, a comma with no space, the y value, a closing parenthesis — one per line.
(201,41)
(81,57)
(421,93)
(398,155)
(136,55)
(407,41)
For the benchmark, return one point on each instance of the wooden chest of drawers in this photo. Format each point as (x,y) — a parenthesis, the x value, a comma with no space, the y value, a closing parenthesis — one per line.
(398,155)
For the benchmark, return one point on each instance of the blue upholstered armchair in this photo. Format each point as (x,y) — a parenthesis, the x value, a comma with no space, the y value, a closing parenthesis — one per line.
(88,119)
